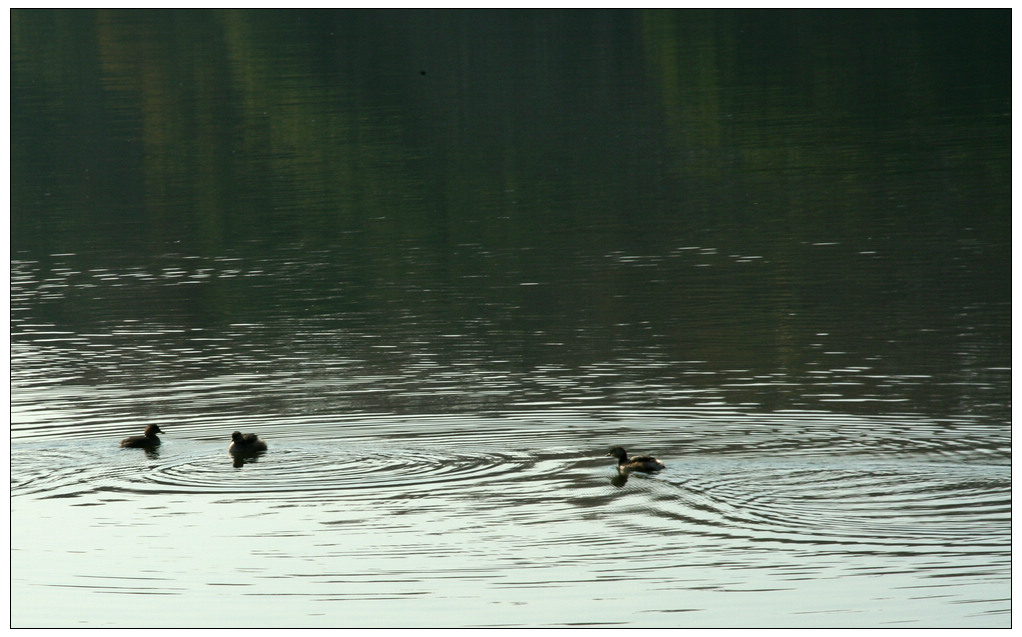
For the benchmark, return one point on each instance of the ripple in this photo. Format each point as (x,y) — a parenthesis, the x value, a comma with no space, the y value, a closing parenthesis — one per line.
(727,482)
(879,508)
(303,471)
(193,459)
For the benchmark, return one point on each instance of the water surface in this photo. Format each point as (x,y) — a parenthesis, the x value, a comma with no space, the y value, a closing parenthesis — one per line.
(443,261)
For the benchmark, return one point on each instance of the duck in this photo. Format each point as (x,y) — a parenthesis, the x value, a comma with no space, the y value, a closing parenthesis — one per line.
(148,441)
(626,465)
(246,444)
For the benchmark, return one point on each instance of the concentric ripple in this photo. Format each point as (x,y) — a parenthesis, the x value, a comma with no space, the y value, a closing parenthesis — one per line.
(893,508)
(301,471)
(714,492)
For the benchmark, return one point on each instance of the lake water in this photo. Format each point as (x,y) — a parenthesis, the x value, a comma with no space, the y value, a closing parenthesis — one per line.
(444,261)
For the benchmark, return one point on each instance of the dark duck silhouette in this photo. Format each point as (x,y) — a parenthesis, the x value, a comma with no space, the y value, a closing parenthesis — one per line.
(245,444)
(148,441)
(626,465)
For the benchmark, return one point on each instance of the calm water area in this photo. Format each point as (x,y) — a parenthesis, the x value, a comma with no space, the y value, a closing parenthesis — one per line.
(443,261)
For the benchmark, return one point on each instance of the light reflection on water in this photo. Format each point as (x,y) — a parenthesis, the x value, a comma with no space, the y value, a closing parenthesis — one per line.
(456,476)
(397,520)
(491,356)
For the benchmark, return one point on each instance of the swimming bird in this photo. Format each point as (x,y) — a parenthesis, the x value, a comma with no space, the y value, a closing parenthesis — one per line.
(638,463)
(246,444)
(148,441)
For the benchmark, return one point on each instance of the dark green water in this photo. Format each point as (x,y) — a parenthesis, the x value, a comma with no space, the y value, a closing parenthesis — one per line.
(444,260)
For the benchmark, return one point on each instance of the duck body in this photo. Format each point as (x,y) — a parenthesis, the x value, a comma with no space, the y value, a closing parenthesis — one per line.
(245,444)
(647,464)
(148,441)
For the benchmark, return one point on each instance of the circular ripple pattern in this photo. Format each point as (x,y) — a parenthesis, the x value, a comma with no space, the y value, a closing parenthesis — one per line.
(710,494)
(874,508)
(67,472)
(303,471)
